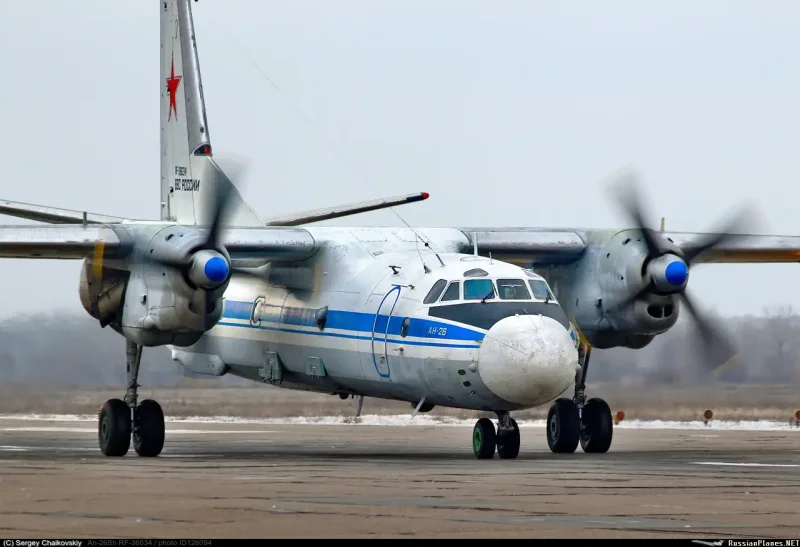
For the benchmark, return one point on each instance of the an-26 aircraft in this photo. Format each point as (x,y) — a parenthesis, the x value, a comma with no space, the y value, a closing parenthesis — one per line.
(473,318)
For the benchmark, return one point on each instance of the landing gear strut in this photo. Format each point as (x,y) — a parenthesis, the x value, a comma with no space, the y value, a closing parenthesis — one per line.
(575,420)
(505,439)
(120,420)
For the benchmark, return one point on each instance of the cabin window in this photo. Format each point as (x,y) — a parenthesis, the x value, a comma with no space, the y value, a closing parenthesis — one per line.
(321,317)
(452,292)
(435,292)
(540,290)
(478,289)
(404,327)
(512,289)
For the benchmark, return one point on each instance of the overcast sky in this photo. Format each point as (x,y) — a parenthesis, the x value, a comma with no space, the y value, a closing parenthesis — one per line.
(508,113)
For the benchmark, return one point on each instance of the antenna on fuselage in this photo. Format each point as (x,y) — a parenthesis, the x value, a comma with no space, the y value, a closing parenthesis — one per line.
(475,243)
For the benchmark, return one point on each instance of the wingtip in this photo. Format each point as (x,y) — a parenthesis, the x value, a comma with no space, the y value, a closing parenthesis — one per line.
(425,195)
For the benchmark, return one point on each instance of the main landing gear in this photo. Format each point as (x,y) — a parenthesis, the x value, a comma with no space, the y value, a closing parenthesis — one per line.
(577,420)
(485,439)
(120,420)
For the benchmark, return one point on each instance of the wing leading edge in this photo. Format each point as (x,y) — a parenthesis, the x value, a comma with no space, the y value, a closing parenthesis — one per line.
(55,215)
(76,242)
(525,246)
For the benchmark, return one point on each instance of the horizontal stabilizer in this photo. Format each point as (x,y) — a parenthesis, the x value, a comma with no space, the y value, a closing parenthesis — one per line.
(53,215)
(317,215)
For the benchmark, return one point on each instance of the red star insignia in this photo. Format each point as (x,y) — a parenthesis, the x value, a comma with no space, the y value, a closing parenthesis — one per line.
(172,86)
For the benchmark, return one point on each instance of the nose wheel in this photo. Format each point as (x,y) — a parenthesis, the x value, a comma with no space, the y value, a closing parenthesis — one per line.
(504,440)
(573,421)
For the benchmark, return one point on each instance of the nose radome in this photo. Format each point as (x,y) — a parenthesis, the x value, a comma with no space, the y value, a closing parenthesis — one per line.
(528,359)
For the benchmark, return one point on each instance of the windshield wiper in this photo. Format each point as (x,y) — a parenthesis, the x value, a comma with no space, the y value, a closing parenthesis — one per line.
(483,300)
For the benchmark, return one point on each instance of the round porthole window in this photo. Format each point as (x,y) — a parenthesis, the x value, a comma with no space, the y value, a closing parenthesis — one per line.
(322,317)
(404,327)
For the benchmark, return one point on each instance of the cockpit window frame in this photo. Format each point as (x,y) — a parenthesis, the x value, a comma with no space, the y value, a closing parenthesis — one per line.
(508,281)
(433,296)
(551,298)
(483,295)
(457,283)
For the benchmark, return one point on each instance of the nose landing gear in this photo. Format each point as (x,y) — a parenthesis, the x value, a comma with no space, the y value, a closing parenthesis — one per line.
(485,439)
(575,420)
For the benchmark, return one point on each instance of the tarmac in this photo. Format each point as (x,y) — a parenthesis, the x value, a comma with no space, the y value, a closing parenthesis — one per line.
(266,480)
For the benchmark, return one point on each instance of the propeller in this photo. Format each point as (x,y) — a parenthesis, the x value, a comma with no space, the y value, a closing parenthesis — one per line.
(666,269)
(206,266)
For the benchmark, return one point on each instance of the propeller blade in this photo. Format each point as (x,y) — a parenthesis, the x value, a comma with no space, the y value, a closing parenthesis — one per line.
(626,188)
(222,197)
(719,349)
(731,230)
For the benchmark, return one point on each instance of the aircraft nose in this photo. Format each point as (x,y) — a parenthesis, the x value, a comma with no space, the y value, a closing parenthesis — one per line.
(528,360)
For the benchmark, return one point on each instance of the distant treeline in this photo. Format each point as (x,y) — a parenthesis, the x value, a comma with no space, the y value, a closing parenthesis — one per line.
(72,350)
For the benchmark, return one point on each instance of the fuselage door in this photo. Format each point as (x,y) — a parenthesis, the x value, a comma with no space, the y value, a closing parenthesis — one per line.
(380,332)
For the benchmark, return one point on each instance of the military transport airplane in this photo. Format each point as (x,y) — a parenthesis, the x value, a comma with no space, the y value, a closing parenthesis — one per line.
(489,319)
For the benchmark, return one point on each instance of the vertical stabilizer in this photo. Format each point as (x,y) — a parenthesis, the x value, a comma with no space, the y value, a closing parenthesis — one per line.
(189,175)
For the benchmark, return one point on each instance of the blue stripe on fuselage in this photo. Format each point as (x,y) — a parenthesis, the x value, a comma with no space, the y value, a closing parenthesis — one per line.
(355,322)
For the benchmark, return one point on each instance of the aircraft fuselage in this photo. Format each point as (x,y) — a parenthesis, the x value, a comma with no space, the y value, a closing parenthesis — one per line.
(360,321)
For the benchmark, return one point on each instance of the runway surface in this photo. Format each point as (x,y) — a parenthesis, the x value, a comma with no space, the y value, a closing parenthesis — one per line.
(276,480)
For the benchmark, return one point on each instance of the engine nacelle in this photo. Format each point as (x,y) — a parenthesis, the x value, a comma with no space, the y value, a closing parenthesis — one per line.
(101,291)
(167,291)
(592,290)
(623,271)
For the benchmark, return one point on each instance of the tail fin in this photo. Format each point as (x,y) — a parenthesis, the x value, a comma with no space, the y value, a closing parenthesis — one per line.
(189,175)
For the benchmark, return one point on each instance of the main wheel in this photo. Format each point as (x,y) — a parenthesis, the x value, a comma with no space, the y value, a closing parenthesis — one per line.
(114,428)
(508,443)
(563,426)
(484,439)
(148,431)
(597,426)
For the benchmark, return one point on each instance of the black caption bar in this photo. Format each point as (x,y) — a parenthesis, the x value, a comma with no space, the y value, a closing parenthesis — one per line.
(746,542)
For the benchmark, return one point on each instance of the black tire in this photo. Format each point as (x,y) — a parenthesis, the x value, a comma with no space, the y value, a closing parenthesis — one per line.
(114,428)
(508,444)
(484,439)
(563,427)
(597,427)
(148,431)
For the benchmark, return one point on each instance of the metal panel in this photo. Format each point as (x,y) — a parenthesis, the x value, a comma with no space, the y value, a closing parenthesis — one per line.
(315,367)
(272,370)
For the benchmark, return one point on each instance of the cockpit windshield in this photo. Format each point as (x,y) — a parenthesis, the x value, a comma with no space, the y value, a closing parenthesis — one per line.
(479,289)
(485,289)
(512,289)
(541,290)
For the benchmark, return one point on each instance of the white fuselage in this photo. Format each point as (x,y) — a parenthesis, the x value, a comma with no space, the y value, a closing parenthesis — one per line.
(362,325)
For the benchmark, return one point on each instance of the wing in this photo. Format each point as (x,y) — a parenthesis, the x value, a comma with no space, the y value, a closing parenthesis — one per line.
(55,215)
(316,215)
(748,248)
(76,242)
(524,246)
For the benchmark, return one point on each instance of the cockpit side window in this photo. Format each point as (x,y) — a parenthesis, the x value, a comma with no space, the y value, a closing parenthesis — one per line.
(452,292)
(478,289)
(435,292)
(512,289)
(541,291)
